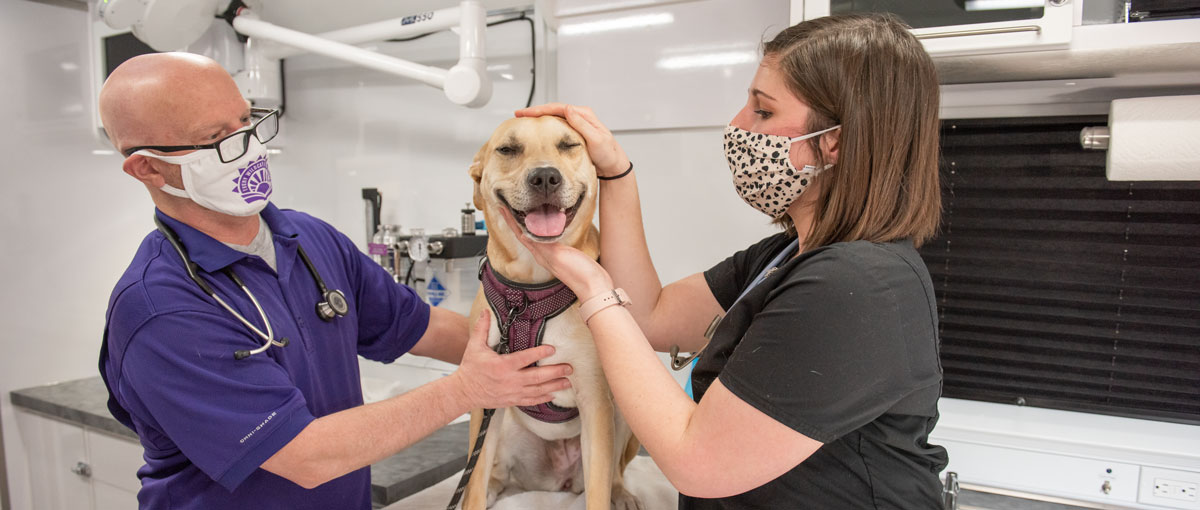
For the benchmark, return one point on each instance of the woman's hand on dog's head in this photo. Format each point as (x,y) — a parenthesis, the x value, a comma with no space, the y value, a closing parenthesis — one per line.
(490,380)
(606,153)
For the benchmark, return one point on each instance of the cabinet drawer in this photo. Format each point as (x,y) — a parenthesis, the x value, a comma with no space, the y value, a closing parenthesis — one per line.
(115,460)
(113,498)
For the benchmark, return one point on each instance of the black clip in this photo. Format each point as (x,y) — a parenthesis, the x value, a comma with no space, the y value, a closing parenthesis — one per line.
(505,324)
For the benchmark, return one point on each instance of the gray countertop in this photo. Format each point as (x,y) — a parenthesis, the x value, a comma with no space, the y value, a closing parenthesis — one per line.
(84,402)
(442,454)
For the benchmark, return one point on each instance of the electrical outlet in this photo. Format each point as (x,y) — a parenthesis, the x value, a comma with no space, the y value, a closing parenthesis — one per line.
(1175,489)
(1170,488)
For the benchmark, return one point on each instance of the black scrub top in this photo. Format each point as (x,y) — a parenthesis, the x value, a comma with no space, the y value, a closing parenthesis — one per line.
(840,344)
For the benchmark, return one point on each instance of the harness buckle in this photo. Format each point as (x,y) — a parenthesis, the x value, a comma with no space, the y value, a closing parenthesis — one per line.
(505,324)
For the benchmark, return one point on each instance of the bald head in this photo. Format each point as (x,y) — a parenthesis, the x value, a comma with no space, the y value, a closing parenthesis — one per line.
(169,99)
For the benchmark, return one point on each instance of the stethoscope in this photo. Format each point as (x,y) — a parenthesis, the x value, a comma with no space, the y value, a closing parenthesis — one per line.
(333,303)
(679,362)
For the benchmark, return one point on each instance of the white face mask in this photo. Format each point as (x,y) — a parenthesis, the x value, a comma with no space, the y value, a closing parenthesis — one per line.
(241,187)
(763,174)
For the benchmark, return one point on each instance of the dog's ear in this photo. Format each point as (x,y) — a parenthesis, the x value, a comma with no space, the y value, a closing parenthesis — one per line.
(476,171)
(476,168)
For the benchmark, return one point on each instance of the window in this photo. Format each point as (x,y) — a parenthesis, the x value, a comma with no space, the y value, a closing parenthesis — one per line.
(1058,288)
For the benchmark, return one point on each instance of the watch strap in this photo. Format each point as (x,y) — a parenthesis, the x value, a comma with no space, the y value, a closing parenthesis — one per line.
(615,297)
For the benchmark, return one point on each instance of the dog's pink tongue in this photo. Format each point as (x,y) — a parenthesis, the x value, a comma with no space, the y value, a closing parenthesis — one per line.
(546,221)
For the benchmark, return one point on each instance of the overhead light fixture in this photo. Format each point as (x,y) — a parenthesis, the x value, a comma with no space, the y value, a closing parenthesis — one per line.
(700,60)
(622,23)
(997,5)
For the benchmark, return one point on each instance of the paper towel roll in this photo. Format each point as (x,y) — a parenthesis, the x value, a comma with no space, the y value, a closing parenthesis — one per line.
(1154,139)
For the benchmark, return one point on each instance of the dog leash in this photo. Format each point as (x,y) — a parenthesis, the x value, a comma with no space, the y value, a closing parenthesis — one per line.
(472,460)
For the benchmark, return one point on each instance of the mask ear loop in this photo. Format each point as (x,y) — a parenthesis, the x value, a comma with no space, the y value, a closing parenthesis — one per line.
(820,156)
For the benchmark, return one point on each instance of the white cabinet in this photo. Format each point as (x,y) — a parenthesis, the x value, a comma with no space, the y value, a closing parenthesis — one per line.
(966,27)
(55,449)
(77,468)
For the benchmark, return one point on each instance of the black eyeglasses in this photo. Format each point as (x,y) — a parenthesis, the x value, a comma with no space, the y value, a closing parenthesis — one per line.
(233,146)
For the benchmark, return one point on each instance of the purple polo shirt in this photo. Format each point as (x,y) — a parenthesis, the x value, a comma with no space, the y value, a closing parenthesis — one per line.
(208,421)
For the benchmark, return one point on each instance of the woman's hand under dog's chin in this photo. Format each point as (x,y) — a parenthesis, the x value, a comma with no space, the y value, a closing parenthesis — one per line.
(583,275)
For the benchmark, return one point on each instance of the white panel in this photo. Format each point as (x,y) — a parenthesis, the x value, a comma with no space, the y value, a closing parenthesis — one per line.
(54,448)
(796,13)
(693,216)
(114,498)
(674,65)
(1170,488)
(1060,453)
(114,460)
(1052,31)
(1042,473)
(70,219)
(1070,433)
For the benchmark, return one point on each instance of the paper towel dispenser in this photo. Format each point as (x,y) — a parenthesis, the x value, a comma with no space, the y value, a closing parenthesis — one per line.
(1150,139)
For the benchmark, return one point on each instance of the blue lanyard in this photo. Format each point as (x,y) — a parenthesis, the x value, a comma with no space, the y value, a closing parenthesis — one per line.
(771,267)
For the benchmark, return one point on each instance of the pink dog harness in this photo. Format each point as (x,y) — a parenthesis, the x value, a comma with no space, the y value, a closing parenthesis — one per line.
(521,313)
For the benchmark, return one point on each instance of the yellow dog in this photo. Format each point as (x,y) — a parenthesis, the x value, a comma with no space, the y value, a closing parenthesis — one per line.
(539,170)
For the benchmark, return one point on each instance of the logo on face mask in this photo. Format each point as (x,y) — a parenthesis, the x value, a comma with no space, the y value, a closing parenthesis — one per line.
(254,181)
(206,179)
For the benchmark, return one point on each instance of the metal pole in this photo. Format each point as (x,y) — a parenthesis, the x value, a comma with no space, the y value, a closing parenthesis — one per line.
(248,24)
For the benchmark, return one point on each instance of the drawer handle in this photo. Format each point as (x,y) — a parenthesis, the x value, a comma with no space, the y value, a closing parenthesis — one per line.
(82,469)
(979,31)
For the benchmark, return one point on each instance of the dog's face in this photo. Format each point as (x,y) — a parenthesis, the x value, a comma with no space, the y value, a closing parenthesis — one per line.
(539,170)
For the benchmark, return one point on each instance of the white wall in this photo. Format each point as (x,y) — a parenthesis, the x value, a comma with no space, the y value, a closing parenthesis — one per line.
(71,219)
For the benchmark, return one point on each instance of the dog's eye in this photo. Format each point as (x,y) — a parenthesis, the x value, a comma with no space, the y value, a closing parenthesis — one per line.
(507,150)
(565,146)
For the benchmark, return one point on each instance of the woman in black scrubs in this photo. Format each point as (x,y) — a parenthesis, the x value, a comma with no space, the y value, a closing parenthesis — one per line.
(819,387)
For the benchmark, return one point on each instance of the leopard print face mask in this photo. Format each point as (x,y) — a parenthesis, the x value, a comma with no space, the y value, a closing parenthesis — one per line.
(763,174)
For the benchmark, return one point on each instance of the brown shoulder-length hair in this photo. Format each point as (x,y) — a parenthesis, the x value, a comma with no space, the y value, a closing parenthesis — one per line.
(869,74)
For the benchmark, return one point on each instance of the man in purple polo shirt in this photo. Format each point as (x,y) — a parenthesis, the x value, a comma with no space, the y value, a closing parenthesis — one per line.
(283,427)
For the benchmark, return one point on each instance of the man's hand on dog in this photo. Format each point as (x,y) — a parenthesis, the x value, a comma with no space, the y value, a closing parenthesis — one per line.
(606,154)
(494,381)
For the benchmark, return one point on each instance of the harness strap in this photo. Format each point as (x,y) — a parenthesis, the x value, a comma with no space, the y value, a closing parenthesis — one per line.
(522,312)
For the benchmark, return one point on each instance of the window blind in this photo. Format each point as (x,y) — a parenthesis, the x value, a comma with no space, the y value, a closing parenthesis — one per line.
(1058,288)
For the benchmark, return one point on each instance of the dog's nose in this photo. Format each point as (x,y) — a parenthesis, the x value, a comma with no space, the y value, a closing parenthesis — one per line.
(545,179)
